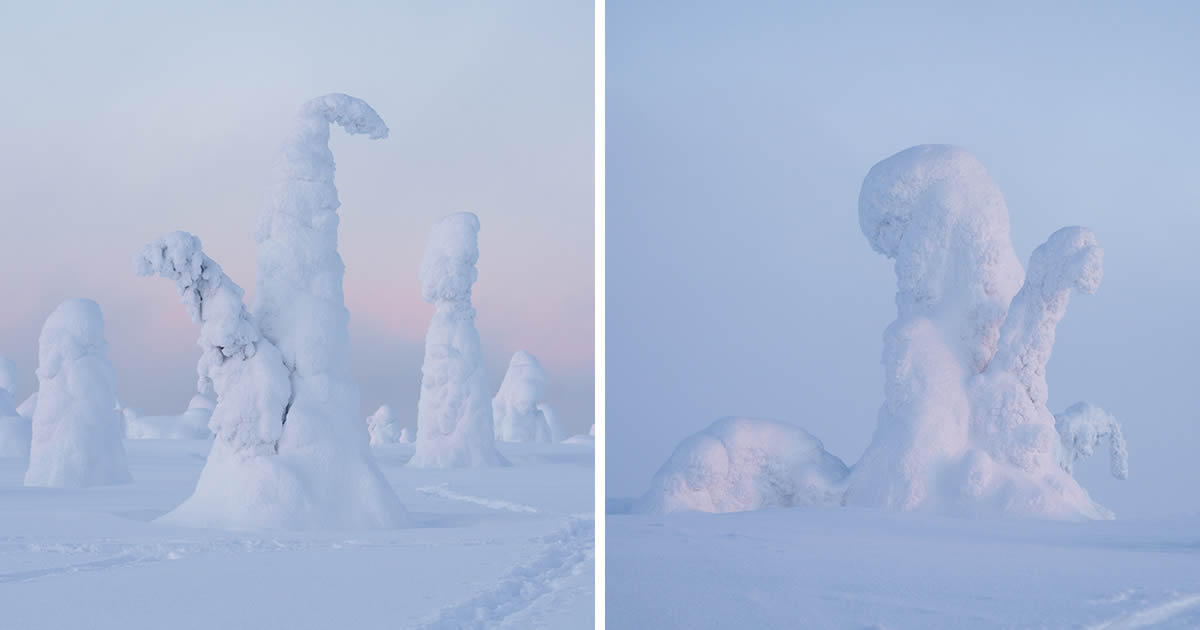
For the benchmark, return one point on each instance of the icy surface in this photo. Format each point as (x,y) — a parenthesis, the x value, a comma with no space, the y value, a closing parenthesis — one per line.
(454,412)
(964,428)
(15,430)
(474,558)
(516,407)
(76,433)
(739,464)
(858,569)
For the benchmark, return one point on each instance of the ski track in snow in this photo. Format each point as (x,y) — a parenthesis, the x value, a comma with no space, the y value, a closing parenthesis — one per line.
(444,492)
(567,553)
(127,556)
(1151,616)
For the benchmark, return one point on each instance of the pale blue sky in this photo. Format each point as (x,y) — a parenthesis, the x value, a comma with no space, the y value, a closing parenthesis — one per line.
(738,280)
(127,120)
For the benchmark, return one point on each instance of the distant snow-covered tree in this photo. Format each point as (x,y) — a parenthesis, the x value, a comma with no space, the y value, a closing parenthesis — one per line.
(516,408)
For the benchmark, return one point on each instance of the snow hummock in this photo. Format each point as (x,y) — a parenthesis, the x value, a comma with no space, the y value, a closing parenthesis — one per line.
(15,430)
(740,464)
(76,433)
(516,406)
(191,424)
(382,427)
(290,451)
(454,412)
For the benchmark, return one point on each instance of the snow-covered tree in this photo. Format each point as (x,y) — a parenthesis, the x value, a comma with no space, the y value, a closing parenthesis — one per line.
(1081,427)
(382,427)
(454,412)
(964,427)
(289,450)
(76,434)
(27,407)
(740,464)
(515,408)
(15,430)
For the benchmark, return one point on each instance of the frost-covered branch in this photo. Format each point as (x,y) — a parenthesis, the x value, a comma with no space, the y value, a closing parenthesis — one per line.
(1082,427)
(1070,259)
(242,368)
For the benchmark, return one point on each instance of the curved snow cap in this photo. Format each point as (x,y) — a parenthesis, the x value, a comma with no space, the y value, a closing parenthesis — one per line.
(739,464)
(73,330)
(8,376)
(448,266)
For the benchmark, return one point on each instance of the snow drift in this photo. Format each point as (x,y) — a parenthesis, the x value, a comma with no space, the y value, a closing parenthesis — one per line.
(76,433)
(192,424)
(290,451)
(454,412)
(15,430)
(740,464)
(516,407)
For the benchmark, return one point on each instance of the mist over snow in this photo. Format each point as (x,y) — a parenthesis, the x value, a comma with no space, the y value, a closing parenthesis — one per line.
(739,281)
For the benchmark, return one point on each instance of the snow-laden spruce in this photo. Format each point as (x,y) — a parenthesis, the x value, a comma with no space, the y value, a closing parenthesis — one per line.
(740,464)
(1081,428)
(383,428)
(290,451)
(76,434)
(516,407)
(964,428)
(192,424)
(454,411)
(15,430)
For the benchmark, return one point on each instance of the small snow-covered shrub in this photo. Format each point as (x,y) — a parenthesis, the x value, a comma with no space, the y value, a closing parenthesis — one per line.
(516,407)
(740,464)
(76,433)
(454,411)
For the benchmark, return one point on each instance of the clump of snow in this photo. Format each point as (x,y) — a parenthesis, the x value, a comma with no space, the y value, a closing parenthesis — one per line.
(289,452)
(76,433)
(964,427)
(740,464)
(192,424)
(1081,427)
(15,430)
(516,407)
(382,427)
(454,412)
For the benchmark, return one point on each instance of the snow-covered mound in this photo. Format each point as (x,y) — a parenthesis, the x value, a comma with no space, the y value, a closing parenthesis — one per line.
(965,428)
(740,464)
(289,452)
(192,424)
(515,408)
(76,435)
(454,412)
(15,430)
(383,428)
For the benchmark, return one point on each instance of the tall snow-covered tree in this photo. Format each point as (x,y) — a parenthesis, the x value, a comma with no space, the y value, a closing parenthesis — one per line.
(454,412)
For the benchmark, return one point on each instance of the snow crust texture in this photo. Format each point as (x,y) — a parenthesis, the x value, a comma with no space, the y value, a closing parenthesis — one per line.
(454,412)
(741,464)
(517,408)
(76,431)
(290,451)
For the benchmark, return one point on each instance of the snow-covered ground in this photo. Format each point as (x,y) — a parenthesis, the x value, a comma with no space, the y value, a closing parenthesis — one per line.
(839,568)
(505,547)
